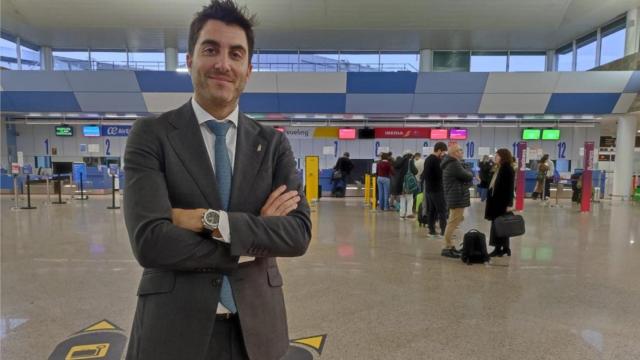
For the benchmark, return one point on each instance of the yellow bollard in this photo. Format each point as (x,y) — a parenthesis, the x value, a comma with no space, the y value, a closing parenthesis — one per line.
(367,182)
(374,196)
(312,174)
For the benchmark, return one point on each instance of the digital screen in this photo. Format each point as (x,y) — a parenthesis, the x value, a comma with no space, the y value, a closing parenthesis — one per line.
(531,134)
(64,130)
(458,134)
(278,128)
(439,134)
(366,133)
(347,134)
(91,130)
(551,134)
(62,167)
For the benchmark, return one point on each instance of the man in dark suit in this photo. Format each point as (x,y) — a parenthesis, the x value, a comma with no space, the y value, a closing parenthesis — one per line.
(212,198)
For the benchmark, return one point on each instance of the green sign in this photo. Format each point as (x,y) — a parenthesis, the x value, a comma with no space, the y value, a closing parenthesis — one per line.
(64,131)
(551,134)
(531,134)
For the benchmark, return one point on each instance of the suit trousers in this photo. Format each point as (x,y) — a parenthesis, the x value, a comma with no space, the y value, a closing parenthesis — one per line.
(455,218)
(227,342)
(436,210)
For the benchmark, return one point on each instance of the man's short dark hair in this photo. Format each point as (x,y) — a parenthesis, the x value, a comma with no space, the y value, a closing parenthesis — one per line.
(440,146)
(229,13)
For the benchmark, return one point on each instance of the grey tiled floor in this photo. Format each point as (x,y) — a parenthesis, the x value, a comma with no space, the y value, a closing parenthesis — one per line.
(376,285)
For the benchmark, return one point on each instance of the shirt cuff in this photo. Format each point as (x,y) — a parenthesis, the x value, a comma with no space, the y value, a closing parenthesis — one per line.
(223,227)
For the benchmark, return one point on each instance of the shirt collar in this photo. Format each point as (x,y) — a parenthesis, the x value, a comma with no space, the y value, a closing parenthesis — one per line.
(203,116)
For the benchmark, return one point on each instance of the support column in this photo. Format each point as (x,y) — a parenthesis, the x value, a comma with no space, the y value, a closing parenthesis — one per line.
(426,60)
(633,32)
(46,58)
(170,59)
(625,143)
(551,61)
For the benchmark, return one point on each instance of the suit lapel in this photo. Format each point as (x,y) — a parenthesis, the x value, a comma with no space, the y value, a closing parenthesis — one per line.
(189,145)
(250,149)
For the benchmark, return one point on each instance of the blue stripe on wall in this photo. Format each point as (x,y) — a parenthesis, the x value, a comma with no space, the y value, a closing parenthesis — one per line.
(259,102)
(381,83)
(27,101)
(312,103)
(582,103)
(164,81)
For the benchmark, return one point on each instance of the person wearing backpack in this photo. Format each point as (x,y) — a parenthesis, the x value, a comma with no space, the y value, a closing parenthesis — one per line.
(406,184)
(486,172)
(500,199)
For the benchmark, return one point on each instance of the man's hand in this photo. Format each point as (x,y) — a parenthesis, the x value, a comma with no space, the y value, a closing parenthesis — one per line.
(190,219)
(280,203)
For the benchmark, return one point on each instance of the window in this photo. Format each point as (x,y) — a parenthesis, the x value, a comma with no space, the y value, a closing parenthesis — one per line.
(29,57)
(360,61)
(488,61)
(109,59)
(71,60)
(446,61)
(319,61)
(613,41)
(146,60)
(275,60)
(564,58)
(527,61)
(400,61)
(8,52)
(586,52)
(182,60)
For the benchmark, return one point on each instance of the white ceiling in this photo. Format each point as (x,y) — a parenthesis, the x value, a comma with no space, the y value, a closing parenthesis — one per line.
(318,24)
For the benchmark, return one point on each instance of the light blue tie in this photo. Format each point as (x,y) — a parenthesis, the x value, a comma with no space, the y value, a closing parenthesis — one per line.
(223,176)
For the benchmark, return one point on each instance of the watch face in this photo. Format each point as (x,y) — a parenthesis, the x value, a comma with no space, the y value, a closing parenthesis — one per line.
(211,217)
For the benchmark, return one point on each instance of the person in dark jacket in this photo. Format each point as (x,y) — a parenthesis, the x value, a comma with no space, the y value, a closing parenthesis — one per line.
(344,165)
(456,180)
(402,167)
(500,199)
(486,172)
(433,191)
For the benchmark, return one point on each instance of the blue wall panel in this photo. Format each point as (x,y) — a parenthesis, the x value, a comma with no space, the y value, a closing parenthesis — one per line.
(379,103)
(259,102)
(312,103)
(456,83)
(27,101)
(381,83)
(164,81)
(446,103)
(582,103)
(633,86)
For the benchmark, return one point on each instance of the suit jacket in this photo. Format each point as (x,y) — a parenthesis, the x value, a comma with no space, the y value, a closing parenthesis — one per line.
(167,167)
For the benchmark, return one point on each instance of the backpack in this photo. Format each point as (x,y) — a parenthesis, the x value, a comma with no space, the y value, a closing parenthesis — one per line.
(474,248)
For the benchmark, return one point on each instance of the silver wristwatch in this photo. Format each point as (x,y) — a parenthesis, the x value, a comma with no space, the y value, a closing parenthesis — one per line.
(210,220)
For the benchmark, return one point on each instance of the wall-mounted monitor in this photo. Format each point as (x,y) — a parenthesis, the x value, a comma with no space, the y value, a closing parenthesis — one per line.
(64,130)
(91,130)
(531,134)
(439,134)
(347,134)
(551,134)
(458,134)
(62,168)
(366,133)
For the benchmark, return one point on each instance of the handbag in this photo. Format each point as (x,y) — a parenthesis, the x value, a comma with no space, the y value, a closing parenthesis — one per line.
(337,175)
(509,225)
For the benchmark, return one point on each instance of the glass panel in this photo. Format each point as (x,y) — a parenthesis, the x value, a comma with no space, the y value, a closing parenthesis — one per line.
(71,60)
(399,61)
(586,52)
(564,58)
(30,58)
(146,60)
(285,61)
(325,61)
(9,54)
(109,60)
(613,46)
(488,61)
(182,60)
(522,61)
(358,61)
(451,61)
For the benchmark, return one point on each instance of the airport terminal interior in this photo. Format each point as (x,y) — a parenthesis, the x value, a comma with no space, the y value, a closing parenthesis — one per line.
(362,80)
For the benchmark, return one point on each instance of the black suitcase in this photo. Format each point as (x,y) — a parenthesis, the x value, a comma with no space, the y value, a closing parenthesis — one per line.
(474,248)
(509,225)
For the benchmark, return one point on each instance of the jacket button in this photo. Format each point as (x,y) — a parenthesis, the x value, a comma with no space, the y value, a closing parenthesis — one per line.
(217,282)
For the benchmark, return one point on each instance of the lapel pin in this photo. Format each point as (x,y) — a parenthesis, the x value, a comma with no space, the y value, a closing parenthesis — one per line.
(259,147)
